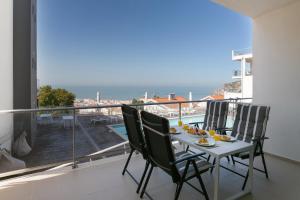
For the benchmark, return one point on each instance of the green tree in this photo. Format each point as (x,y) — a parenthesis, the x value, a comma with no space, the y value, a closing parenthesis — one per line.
(49,97)
(63,97)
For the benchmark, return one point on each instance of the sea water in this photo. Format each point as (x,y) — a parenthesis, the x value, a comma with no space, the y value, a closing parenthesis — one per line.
(130,92)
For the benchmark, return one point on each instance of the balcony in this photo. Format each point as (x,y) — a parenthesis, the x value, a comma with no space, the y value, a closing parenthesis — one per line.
(241,53)
(61,135)
(102,179)
(236,74)
(98,152)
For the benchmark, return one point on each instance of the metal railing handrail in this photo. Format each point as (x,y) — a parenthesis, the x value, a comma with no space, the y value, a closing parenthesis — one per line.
(73,109)
(108,149)
(110,106)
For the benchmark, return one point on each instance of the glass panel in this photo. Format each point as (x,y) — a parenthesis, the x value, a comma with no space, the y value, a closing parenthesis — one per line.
(52,135)
(98,130)
(32,139)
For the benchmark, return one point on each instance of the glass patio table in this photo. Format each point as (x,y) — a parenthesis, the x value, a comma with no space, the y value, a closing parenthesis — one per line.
(220,150)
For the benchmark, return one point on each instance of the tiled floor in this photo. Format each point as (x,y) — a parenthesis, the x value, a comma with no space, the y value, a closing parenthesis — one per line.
(103,180)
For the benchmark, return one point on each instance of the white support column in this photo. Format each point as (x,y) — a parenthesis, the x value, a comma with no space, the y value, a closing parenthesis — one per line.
(6,71)
(243,73)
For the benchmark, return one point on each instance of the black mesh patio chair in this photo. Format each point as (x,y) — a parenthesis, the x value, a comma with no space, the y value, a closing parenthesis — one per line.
(250,126)
(181,166)
(136,139)
(215,118)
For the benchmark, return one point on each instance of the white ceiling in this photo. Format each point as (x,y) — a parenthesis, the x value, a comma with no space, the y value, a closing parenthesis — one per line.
(253,8)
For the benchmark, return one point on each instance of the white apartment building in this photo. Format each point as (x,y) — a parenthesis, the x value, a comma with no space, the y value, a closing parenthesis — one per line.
(243,75)
(275,68)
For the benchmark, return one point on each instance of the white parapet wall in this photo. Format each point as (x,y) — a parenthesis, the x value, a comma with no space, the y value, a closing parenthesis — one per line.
(247,87)
(6,72)
(276,73)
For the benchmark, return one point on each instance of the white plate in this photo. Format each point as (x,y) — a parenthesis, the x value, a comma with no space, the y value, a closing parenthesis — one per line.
(211,142)
(195,136)
(232,139)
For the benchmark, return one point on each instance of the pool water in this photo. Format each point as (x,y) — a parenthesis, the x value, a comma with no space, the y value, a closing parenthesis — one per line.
(186,120)
(121,130)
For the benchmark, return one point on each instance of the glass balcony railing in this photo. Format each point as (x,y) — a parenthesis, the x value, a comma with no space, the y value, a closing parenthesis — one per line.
(36,139)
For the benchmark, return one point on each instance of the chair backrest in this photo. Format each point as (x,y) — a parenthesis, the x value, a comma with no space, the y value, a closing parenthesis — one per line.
(134,129)
(158,142)
(215,115)
(250,122)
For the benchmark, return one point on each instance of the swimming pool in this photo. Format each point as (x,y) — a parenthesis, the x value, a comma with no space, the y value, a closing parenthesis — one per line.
(121,131)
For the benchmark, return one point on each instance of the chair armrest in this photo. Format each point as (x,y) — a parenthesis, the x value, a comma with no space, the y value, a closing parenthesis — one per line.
(196,123)
(187,158)
(223,129)
(259,139)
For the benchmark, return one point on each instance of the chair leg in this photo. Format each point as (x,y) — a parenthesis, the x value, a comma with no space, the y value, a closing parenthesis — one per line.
(208,158)
(200,181)
(203,187)
(214,162)
(233,161)
(143,176)
(177,186)
(245,181)
(228,158)
(265,166)
(182,180)
(178,190)
(127,162)
(146,183)
(187,148)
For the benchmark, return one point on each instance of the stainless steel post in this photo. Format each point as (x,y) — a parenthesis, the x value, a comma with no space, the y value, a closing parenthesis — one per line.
(73,142)
(180,111)
(124,147)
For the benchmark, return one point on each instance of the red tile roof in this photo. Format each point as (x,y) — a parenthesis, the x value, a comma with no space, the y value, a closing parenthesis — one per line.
(217,97)
(173,106)
(213,97)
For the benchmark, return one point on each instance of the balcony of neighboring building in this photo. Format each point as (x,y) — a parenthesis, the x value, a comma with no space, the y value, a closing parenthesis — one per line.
(236,74)
(238,55)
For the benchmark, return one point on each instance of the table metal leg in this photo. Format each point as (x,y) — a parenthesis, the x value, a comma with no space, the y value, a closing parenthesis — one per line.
(250,178)
(217,178)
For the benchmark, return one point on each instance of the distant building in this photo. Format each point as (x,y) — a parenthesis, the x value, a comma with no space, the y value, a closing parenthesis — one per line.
(202,105)
(167,109)
(242,85)
(213,97)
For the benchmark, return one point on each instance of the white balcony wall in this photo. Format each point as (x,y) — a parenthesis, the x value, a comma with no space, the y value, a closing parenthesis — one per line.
(247,86)
(6,71)
(276,76)
(228,95)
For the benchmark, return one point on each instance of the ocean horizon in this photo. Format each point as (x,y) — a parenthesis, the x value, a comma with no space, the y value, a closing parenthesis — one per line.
(130,92)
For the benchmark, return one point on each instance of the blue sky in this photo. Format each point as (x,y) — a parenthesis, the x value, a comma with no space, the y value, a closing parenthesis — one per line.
(138,42)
